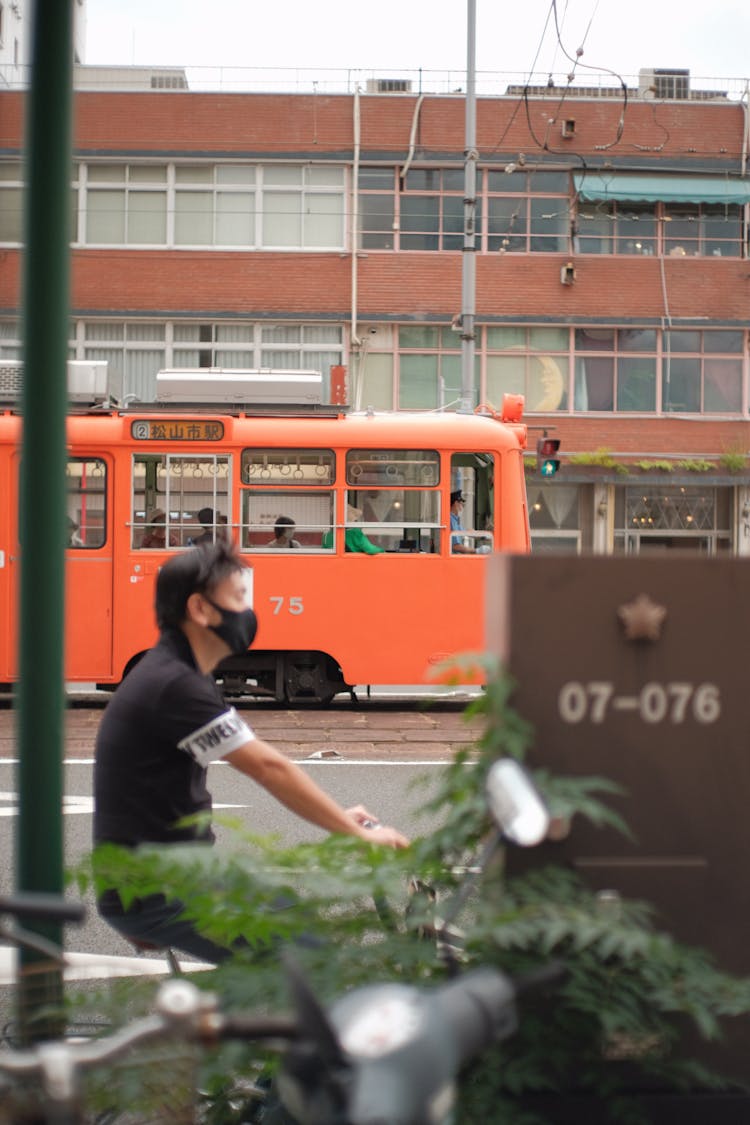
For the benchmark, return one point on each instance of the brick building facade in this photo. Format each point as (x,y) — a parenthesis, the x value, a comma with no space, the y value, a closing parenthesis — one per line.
(280,230)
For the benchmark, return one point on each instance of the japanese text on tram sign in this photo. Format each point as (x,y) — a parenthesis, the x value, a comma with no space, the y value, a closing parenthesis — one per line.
(173,430)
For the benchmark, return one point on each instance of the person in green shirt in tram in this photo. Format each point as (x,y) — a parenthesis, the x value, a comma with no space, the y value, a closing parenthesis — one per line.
(355,539)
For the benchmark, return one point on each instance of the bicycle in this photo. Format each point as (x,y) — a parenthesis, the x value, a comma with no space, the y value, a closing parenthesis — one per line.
(383,1052)
(48,1003)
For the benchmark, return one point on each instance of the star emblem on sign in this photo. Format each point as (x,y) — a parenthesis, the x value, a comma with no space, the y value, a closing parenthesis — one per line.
(642,619)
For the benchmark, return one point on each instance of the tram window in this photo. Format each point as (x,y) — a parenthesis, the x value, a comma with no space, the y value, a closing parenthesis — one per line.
(86,479)
(473,474)
(311,513)
(178,499)
(397,519)
(391,467)
(297,467)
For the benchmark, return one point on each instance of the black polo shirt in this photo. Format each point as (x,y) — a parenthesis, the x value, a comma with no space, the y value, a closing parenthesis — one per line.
(163,726)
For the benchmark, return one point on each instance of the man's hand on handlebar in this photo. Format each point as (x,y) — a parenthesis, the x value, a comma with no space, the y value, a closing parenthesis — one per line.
(375,832)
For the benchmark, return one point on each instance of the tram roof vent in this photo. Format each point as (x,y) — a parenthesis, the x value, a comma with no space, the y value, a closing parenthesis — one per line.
(260,387)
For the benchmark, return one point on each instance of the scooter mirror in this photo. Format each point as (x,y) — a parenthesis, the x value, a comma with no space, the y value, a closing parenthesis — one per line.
(515,803)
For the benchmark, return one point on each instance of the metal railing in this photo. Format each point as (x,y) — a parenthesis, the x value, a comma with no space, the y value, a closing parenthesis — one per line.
(309,80)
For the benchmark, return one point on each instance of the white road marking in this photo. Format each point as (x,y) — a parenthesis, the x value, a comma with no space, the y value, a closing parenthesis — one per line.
(73,806)
(101,966)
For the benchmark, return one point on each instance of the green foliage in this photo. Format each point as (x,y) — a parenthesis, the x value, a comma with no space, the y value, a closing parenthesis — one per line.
(696,465)
(602,457)
(656,466)
(733,460)
(687,465)
(615,1019)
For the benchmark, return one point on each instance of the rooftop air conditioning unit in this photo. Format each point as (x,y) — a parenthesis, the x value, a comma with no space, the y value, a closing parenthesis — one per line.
(11,380)
(264,387)
(388,86)
(88,381)
(168,81)
(664,82)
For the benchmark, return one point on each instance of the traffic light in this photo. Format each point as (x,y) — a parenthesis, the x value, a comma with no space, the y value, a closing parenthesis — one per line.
(546,456)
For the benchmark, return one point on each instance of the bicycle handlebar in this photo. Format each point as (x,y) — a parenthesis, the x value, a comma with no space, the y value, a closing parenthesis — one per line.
(451,1024)
(42,906)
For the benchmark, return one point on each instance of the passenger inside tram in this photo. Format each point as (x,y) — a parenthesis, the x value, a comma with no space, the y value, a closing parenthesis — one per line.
(283,533)
(355,540)
(156,532)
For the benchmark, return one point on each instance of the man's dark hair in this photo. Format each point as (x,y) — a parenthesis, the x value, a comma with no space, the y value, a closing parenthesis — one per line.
(281,523)
(206,517)
(196,571)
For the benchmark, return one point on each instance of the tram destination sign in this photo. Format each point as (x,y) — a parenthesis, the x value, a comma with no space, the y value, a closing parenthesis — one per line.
(636,670)
(176,429)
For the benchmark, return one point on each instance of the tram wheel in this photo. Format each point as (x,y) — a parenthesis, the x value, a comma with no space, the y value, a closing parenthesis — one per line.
(311,678)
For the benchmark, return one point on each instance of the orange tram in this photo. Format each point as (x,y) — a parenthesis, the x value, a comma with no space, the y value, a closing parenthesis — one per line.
(357,576)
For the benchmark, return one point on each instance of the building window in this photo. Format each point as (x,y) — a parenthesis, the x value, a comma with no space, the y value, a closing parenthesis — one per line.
(302,206)
(431,210)
(213,345)
(238,206)
(11,202)
(672,517)
(528,211)
(677,230)
(125,204)
(702,229)
(616,228)
(429,362)
(702,372)
(10,339)
(137,350)
(377,214)
(532,362)
(214,205)
(615,369)
(314,347)
(134,352)
(554,518)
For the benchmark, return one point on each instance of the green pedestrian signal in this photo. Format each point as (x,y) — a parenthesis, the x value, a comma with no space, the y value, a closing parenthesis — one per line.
(546,456)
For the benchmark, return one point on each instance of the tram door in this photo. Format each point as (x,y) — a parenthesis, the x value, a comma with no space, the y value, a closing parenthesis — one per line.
(88,569)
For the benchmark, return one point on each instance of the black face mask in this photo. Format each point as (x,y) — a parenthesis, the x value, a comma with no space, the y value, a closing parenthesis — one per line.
(237,628)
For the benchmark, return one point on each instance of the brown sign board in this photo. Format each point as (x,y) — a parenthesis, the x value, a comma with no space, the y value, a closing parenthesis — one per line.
(638,670)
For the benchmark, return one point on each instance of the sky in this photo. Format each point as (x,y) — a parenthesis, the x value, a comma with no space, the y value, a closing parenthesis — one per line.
(619,35)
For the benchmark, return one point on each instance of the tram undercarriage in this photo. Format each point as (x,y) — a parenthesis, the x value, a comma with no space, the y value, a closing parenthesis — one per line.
(288,677)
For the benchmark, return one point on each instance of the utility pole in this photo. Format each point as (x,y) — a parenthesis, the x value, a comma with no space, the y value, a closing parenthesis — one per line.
(40,696)
(469,257)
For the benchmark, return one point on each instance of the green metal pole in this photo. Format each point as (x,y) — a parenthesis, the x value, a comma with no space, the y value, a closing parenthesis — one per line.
(41,696)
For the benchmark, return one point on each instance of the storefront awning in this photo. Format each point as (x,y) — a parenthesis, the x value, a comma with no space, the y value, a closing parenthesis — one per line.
(631,187)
